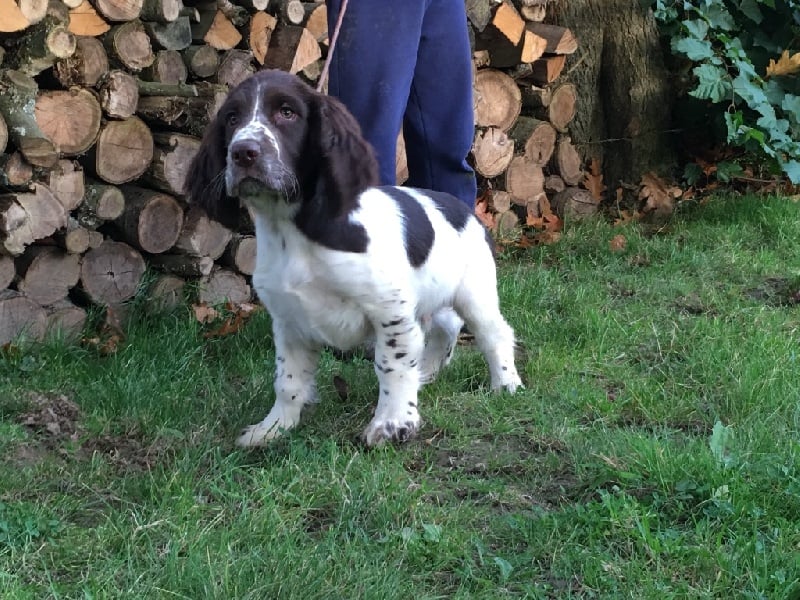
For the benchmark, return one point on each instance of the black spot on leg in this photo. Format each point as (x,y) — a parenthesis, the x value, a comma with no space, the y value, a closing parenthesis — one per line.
(385,392)
(505,368)
(392,343)
(412,404)
(400,355)
(393,322)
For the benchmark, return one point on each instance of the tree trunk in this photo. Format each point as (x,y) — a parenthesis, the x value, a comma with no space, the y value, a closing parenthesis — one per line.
(624,99)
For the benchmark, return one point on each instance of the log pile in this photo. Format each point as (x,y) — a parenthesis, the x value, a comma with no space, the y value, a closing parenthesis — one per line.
(102,103)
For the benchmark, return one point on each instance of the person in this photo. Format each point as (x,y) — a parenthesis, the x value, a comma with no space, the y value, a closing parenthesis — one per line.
(408,65)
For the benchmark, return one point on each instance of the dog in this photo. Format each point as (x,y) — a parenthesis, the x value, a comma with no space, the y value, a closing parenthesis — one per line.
(342,260)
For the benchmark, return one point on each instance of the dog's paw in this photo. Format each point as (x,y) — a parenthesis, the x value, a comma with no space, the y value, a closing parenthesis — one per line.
(509,381)
(380,431)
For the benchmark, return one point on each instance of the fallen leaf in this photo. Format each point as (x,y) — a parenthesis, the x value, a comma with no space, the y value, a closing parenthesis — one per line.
(658,197)
(546,238)
(618,243)
(594,180)
(484,215)
(786,65)
(204,313)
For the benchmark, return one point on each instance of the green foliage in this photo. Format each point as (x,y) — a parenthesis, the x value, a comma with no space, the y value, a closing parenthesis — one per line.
(729,44)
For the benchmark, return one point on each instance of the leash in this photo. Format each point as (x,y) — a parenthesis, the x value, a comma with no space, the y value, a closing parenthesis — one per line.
(326,67)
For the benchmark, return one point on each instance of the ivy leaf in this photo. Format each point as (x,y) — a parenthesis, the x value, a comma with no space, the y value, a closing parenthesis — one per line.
(698,28)
(719,17)
(791,106)
(696,50)
(752,93)
(712,83)
(751,10)
(727,170)
(792,170)
(720,443)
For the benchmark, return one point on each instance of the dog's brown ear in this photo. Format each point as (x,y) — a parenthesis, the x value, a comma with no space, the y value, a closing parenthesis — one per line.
(205,180)
(349,163)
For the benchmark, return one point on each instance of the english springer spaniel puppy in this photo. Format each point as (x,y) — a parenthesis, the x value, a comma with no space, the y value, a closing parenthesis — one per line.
(342,261)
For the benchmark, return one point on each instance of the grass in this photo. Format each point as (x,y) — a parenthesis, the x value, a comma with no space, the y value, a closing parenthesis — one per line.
(653,453)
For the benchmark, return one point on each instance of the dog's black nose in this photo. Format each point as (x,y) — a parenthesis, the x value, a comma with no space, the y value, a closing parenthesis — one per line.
(245,152)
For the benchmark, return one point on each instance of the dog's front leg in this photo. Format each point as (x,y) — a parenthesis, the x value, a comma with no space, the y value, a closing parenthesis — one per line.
(295,368)
(398,350)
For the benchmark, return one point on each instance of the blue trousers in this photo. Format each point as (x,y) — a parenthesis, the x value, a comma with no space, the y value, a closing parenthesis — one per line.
(407,63)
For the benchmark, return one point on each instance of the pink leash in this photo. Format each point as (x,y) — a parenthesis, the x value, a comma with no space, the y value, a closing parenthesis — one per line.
(326,67)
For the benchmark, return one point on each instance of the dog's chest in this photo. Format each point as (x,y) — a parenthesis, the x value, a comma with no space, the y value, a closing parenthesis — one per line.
(305,292)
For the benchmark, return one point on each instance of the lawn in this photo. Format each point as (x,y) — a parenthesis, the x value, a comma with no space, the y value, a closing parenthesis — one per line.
(653,453)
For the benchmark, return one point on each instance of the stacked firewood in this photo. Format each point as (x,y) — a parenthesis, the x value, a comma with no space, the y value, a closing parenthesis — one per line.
(522,150)
(102,105)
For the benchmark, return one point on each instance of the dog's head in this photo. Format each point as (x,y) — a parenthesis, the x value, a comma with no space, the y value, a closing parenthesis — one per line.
(275,139)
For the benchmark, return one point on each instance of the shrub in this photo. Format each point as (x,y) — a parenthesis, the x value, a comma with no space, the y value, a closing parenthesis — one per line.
(743,61)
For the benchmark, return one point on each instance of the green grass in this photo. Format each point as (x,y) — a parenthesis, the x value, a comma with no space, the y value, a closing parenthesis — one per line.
(653,453)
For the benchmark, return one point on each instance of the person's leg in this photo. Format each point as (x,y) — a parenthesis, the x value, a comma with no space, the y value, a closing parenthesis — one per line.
(372,68)
(439,120)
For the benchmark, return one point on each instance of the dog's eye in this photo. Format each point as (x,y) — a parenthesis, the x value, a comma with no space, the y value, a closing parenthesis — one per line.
(232,119)
(286,112)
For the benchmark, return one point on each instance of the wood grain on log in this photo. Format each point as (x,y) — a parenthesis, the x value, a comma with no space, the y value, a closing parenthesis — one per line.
(69,118)
(523,179)
(11,17)
(123,151)
(67,183)
(241,254)
(85,66)
(235,67)
(47,273)
(548,69)
(168,67)
(201,236)
(17,101)
(119,94)
(119,10)
(317,21)
(163,11)
(567,162)
(7,271)
(130,45)
(563,106)
(574,203)
(15,172)
(151,220)
(85,21)
(184,114)
(175,35)
(183,265)
(202,60)
(498,100)
(74,238)
(65,321)
(111,273)
(20,318)
(292,49)
(44,43)
(3,134)
(27,217)
(223,285)
(165,293)
(216,30)
(101,202)
(560,40)
(492,151)
(171,158)
(537,138)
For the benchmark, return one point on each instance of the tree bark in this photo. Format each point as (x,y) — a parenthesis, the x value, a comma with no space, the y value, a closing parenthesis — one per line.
(624,98)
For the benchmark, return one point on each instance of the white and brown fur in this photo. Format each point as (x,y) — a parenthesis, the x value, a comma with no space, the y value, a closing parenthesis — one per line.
(342,261)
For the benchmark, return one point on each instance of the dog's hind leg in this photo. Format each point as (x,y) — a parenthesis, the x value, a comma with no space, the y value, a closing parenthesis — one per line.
(477,303)
(441,335)
(295,368)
